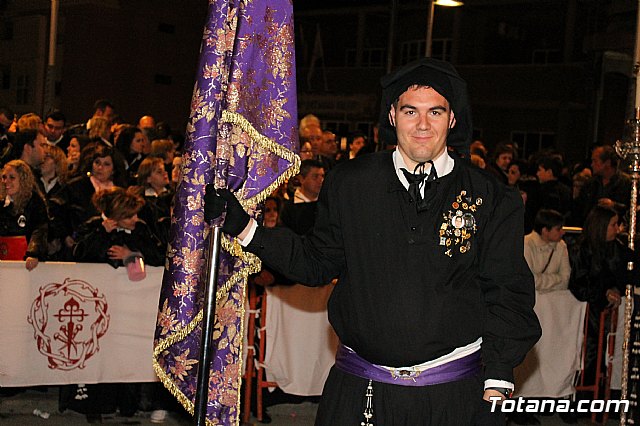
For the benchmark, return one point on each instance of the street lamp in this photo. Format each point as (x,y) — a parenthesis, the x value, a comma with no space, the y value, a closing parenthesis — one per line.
(432,3)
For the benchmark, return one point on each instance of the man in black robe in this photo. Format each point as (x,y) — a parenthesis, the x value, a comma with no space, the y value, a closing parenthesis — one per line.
(434,301)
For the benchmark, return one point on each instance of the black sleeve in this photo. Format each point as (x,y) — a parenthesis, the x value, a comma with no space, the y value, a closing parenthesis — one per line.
(93,243)
(313,259)
(511,326)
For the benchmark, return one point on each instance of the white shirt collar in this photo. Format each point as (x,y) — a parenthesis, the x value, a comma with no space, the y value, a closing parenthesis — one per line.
(8,200)
(443,164)
(299,197)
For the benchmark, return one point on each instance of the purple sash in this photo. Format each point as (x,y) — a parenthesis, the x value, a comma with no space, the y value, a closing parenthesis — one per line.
(462,368)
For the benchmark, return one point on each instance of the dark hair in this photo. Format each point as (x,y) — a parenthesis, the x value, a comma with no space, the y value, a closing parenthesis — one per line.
(608,153)
(594,232)
(126,136)
(146,168)
(357,135)
(56,115)
(547,218)
(102,104)
(119,172)
(503,148)
(117,203)
(22,138)
(551,163)
(307,165)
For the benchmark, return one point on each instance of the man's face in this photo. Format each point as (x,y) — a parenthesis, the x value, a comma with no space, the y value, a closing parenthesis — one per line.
(329,147)
(312,182)
(53,129)
(597,165)
(422,119)
(504,160)
(552,235)
(544,175)
(357,145)
(314,134)
(35,154)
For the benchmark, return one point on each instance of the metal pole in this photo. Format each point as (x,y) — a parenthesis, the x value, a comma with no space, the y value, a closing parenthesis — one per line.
(632,141)
(49,89)
(629,148)
(429,39)
(207,349)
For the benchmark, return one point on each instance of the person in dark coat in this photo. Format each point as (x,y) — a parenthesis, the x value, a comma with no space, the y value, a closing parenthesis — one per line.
(434,301)
(23,211)
(117,233)
(599,274)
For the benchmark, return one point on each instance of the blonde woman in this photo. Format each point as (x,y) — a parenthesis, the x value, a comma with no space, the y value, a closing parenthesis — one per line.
(23,211)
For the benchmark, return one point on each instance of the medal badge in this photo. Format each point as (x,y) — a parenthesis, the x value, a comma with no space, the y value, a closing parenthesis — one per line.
(22,221)
(459,224)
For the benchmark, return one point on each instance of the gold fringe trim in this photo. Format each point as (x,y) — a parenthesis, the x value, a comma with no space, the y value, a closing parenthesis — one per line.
(251,261)
(238,120)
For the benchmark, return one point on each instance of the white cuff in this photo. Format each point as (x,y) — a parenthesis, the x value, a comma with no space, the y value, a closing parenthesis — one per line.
(493,383)
(252,231)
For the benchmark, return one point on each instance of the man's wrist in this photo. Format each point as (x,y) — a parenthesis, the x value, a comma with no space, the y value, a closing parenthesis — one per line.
(505,392)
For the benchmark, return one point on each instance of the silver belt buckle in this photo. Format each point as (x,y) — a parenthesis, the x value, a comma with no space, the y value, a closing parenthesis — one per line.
(405,374)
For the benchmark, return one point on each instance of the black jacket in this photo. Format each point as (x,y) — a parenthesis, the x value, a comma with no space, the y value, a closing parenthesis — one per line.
(33,223)
(401,299)
(591,279)
(94,241)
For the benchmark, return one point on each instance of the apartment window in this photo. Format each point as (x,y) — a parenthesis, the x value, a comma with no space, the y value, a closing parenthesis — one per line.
(372,57)
(415,49)
(531,142)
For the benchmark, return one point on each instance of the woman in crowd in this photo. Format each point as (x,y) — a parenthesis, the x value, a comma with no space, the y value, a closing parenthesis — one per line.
(130,144)
(113,237)
(53,171)
(164,149)
(76,145)
(100,129)
(599,273)
(153,182)
(106,171)
(23,211)
(116,233)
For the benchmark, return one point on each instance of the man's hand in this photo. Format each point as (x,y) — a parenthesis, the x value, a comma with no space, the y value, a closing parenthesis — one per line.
(491,392)
(236,219)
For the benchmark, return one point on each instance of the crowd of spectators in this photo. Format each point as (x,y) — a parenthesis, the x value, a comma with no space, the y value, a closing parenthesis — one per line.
(102,191)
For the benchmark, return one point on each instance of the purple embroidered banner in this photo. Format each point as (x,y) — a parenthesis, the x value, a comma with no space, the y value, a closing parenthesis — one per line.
(242,135)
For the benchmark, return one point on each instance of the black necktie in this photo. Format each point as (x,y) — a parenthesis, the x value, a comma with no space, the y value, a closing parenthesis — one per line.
(417,180)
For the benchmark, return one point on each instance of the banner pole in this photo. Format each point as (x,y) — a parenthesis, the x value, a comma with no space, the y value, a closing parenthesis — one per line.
(207,350)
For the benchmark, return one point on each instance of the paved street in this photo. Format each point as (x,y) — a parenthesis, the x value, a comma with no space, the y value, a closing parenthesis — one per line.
(18,410)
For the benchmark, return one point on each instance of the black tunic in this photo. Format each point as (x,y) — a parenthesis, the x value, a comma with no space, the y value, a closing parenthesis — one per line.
(401,300)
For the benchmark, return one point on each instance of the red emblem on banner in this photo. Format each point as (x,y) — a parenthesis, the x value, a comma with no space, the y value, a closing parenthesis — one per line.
(68,320)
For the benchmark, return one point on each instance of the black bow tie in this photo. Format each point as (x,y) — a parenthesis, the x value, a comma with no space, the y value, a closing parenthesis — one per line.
(417,180)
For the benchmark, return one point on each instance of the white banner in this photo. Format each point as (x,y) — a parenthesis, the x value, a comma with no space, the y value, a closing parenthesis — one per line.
(66,323)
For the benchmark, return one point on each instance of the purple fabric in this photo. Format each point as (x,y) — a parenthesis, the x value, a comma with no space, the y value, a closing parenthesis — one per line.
(247,67)
(462,368)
